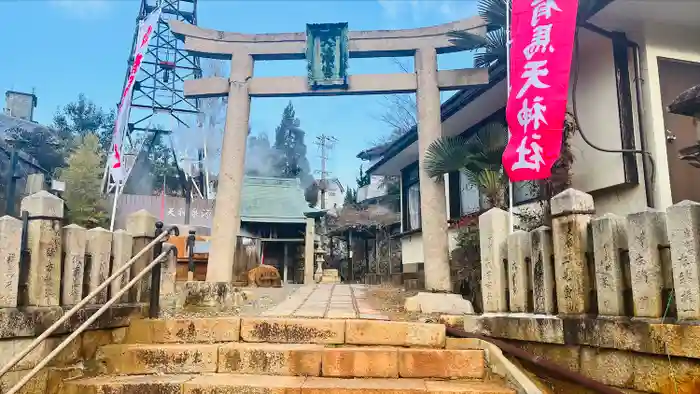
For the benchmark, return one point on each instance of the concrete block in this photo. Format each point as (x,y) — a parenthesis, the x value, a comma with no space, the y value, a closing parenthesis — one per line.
(441,363)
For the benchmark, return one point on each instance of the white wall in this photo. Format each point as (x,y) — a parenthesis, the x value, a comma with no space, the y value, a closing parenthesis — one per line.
(669,42)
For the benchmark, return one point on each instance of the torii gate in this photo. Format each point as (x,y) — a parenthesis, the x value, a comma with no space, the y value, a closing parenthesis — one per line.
(327,49)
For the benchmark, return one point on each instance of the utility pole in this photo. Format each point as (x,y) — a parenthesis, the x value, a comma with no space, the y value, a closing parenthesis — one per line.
(325,144)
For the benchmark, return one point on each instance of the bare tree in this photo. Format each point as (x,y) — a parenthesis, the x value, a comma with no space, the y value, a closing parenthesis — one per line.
(399,111)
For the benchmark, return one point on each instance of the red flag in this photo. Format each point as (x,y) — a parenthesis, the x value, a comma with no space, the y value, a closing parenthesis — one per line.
(540,64)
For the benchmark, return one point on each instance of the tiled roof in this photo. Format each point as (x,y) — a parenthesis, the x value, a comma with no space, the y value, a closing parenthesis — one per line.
(273,200)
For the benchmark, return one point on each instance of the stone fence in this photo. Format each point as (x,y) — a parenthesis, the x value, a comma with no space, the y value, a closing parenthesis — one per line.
(48,267)
(618,296)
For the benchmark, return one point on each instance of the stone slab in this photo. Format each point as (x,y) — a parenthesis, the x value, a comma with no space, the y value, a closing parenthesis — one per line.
(441,363)
(192,330)
(374,332)
(135,359)
(251,384)
(283,330)
(271,359)
(365,386)
(361,362)
(438,303)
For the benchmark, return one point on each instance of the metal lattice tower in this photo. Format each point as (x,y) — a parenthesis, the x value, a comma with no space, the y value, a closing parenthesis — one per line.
(158,103)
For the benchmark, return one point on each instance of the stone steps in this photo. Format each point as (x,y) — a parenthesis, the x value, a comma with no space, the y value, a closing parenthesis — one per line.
(252,355)
(287,330)
(287,359)
(254,384)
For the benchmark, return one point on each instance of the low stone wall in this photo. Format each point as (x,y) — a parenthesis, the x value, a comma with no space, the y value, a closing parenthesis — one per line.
(18,328)
(48,268)
(614,298)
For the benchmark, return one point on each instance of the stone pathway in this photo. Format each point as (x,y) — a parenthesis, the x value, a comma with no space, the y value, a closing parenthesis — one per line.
(333,301)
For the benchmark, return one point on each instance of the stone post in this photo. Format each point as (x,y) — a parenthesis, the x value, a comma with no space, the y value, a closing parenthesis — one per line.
(609,238)
(493,233)
(44,244)
(683,223)
(227,220)
(122,248)
(571,213)
(309,251)
(168,275)
(519,255)
(647,231)
(432,193)
(542,271)
(142,226)
(74,249)
(99,248)
(10,251)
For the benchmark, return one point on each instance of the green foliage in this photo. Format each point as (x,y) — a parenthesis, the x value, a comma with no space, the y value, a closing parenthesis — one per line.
(42,144)
(311,194)
(478,157)
(350,196)
(83,117)
(83,177)
(363,179)
(50,146)
(491,49)
(289,143)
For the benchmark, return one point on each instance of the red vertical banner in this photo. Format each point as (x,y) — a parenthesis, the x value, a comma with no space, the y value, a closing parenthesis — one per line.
(542,42)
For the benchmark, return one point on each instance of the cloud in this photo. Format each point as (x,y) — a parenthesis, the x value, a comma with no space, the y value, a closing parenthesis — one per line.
(83,9)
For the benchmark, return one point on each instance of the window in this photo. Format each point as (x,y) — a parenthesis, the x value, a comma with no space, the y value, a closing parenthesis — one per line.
(411,198)
(469,199)
(524,192)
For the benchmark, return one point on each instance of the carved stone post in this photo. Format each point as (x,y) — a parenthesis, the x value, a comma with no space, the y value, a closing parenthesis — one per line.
(168,277)
(609,238)
(493,231)
(432,193)
(519,254)
(44,243)
(647,232)
(227,220)
(309,250)
(683,233)
(99,248)
(74,249)
(10,250)
(122,247)
(542,271)
(571,213)
(141,225)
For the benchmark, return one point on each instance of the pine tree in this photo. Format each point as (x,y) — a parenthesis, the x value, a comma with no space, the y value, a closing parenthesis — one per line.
(83,179)
(289,142)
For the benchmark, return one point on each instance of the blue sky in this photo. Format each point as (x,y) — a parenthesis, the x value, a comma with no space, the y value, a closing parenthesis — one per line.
(63,48)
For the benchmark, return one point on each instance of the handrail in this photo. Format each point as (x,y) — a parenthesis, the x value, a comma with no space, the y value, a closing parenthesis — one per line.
(87,322)
(85,300)
(552,368)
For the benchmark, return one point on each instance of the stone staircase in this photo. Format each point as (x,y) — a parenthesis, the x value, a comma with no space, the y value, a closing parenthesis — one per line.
(285,355)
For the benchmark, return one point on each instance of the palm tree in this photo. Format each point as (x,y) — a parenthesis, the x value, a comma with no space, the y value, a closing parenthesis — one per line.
(478,157)
(492,47)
